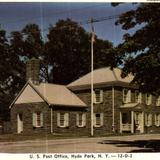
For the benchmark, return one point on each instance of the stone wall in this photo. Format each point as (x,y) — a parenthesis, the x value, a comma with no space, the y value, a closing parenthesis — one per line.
(27,111)
(104,107)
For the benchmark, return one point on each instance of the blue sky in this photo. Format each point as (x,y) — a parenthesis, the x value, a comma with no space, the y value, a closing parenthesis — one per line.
(14,16)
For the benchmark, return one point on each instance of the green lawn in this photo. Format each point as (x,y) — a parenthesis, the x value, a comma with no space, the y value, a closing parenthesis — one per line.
(22,137)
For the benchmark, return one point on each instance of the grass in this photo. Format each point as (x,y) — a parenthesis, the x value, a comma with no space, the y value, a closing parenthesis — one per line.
(24,137)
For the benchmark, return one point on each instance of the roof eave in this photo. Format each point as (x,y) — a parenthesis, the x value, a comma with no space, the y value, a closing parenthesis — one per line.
(104,84)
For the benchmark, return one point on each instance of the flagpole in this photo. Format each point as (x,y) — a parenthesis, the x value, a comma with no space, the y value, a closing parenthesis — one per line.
(92,41)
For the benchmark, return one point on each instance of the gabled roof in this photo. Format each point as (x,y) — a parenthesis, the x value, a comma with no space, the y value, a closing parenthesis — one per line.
(101,76)
(54,94)
(59,95)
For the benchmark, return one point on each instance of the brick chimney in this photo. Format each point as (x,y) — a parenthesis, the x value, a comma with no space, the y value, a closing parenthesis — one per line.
(32,70)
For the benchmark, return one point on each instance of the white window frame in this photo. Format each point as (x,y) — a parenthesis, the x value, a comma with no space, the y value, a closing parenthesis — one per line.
(95,99)
(95,120)
(35,119)
(138,97)
(82,117)
(158,101)
(148,119)
(65,117)
(157,119)
(148,97)
(137,118)
(127,96)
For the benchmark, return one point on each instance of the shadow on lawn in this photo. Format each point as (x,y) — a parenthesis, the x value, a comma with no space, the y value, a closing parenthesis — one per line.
(143,145)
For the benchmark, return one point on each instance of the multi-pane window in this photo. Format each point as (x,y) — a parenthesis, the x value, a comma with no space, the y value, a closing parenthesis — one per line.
(148,119)
(137,118)
(98,119)
(62,119)
(81,119)
(148,98)
(157,119)
(138,97)
(38,119)
(98,96)
(126,95)
(158,101)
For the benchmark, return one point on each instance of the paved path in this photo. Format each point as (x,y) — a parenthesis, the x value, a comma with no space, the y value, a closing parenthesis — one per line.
(136,143)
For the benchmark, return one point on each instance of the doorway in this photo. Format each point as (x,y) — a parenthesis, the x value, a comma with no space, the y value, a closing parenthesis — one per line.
(19,123)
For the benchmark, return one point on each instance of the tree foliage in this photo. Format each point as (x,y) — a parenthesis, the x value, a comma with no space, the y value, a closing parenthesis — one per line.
(68,51)
(66,54)
(141,50)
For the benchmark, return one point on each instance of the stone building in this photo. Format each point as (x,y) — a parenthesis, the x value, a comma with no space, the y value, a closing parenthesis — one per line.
(119,106)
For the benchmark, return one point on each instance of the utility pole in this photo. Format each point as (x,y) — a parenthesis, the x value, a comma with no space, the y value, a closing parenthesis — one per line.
(92,49)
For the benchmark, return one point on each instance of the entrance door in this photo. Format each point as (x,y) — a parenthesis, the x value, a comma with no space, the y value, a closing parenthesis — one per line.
(19,123)
(139,122)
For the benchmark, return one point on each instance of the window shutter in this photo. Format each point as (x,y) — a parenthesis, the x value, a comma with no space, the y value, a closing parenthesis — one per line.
(155,120)
(140,97)
(94,97)
(158,119)
(101,117)
(58,119)
(129,96)
(123,92)
(150,99)
(150,119)
(66,117)
(101,95)
(41,119)
(124,96)
(84,119)
(34,119)
(146,119)
(77,119)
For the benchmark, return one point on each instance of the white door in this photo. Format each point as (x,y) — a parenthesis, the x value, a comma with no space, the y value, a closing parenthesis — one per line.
(19,123)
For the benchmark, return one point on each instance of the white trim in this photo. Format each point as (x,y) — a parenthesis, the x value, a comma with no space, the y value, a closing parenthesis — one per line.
(148,119)
(83,118)
(100,94)
(127,95)
(158,101)
(66,119)
(138,99)
(100,118)
(148,98)
(34,119)
(157,119)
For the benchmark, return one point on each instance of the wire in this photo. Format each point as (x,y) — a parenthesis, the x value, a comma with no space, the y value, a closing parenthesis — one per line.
(100,19)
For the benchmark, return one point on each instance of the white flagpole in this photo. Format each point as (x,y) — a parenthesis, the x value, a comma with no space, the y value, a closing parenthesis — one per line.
(92,42)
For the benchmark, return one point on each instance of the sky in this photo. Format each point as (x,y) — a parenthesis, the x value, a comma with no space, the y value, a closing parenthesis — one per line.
(14,16)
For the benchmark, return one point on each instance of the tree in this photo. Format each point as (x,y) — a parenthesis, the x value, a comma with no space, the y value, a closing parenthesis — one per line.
(11,78)
(68,51)
(141,50)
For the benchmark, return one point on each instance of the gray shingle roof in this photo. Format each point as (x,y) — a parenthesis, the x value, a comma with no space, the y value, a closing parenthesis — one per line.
(59,95)
(101,76)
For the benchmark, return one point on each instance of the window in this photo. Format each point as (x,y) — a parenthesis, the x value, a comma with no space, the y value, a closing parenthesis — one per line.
(98,96)
(98,119)
(62,119)
(148,119)
(158,101)
(157,119)
(148,98)
(38,119)
(138,97)
(137,117)
(126,95)
(81,119)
